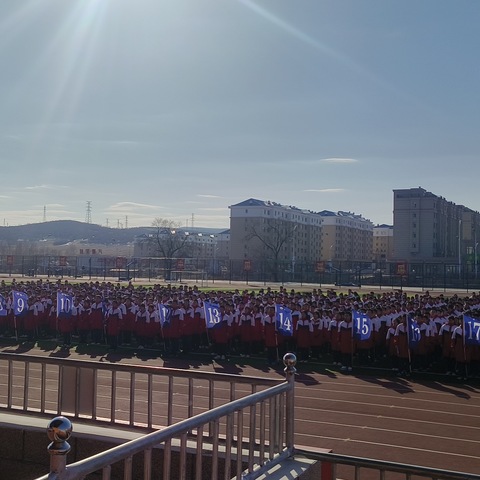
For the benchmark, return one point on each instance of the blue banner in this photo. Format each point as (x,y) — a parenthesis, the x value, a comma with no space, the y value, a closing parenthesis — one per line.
(413,332)
(165,314)
(471,327)
(283,320)
(362,326)
(20,303)
(64,304)
(213,316)
(3,306)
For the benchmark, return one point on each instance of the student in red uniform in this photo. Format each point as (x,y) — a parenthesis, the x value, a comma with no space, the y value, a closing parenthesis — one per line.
(304,334)
(113,320)
(346,340)
(270,335)
(141,326)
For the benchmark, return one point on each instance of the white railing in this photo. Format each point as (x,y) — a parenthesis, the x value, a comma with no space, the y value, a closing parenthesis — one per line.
(115,394)
(239,438)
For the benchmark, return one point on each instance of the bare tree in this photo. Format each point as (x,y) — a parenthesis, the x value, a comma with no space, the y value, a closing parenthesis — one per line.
(168,242)
(273,237)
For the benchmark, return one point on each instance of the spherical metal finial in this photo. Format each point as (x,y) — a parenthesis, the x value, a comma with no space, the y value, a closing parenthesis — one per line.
(59,429)
(290,360)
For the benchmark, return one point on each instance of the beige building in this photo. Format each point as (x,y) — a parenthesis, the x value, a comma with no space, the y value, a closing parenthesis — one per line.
(429,227)
(267,230)
(382,243)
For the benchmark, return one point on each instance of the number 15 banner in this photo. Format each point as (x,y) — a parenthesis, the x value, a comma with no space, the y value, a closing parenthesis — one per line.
(362,326)
(472,330)
(283,319)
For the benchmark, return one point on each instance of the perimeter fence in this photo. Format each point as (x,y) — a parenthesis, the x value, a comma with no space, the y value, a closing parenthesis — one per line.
(425,275)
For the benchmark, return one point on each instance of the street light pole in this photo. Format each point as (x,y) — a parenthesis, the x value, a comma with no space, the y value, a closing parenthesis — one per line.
(459,248)
(293,253)
(475,259)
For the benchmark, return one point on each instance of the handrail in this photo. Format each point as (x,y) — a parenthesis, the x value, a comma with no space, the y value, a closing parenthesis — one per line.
(384,466)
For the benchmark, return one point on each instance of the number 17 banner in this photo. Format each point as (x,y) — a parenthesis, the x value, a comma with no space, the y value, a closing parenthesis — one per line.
(472,330)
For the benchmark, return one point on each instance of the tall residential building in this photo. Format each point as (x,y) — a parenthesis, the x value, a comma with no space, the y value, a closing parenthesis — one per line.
(267,230)
(429,227)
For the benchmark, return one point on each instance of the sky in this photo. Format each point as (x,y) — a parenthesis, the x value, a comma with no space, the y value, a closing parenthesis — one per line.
(177,109)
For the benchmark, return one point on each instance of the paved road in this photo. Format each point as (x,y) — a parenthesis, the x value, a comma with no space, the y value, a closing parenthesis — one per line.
(432,422)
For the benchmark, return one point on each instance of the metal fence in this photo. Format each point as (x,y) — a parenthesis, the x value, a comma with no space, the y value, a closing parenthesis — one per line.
(93,391)
(247,436)
(427,275)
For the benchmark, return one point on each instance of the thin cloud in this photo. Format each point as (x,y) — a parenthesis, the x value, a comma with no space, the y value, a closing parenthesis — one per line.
(45,187)
(214,209)
(339,160)
(131,205)
(208,196)
(325,190)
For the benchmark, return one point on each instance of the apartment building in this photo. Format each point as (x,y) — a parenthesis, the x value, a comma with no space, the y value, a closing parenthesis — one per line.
(429,227)
(382,243)
(268,230)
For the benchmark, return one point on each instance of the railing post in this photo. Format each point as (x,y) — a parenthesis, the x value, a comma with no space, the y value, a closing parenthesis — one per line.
(290,360)
(58,431)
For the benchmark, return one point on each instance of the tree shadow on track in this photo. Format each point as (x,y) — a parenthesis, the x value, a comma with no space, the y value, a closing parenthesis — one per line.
(450,389)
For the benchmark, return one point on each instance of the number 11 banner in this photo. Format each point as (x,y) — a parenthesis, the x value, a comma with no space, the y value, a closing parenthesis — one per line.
(283,319)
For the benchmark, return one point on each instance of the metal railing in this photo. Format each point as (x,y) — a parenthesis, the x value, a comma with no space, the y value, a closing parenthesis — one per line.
(342,466)
(257,434)
(94,391)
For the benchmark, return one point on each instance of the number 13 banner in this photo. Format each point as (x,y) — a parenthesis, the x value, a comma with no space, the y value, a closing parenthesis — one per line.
(283,319)
(472,330)
(213,316)
(362,326)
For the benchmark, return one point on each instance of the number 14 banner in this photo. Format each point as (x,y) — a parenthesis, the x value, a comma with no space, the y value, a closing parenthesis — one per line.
(283,319)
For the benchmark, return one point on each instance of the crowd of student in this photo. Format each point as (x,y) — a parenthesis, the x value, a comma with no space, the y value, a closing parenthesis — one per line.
(118,314)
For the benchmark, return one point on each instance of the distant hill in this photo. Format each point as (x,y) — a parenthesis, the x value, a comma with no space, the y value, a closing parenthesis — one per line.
(60,232)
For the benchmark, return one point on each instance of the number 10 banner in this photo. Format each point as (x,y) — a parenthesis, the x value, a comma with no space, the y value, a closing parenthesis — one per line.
(64,305)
